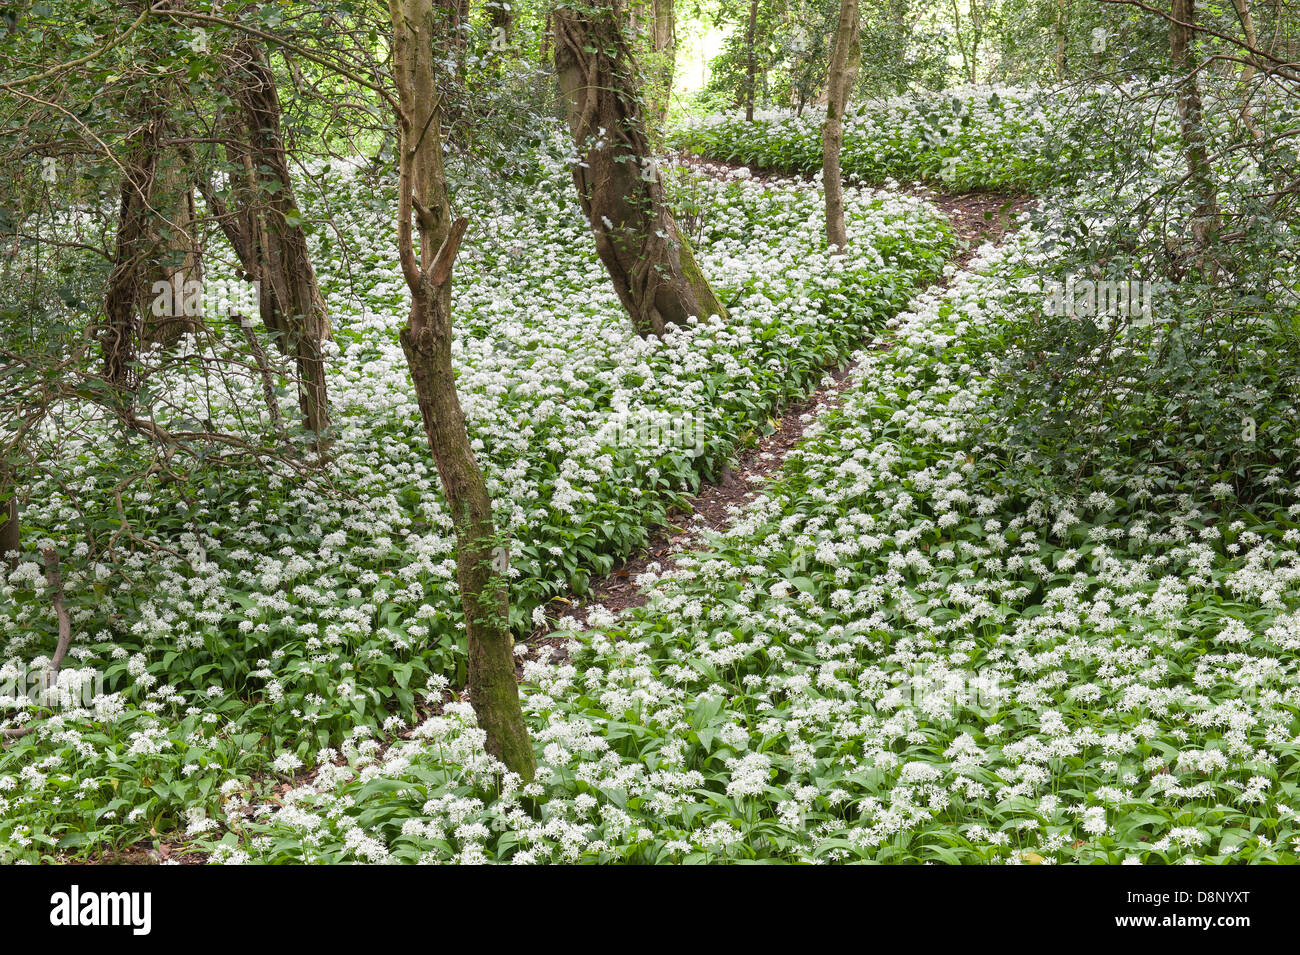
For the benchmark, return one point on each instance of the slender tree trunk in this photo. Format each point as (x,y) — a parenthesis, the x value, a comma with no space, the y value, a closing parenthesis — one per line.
(1205,217)
(957,34)
(1060,39)
(846,56)
(285,267)
(662,62)
(124,296)
(426,340)
(240,220)
(651,265)
(1248,73)
(750,67)
(665,38)
(653,24)
(268,379)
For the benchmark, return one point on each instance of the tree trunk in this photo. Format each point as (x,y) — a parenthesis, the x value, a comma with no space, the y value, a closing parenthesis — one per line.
(268,379)
(175,241)
(1060,39)
(662,61)
(651,265)
(426,341)
(240,221)
(124,296)
(846,56)
(750,69)
(957,35)
(665,39)
(282,260)
(1205,217)
(502,17)
(1248,73)
(501,24)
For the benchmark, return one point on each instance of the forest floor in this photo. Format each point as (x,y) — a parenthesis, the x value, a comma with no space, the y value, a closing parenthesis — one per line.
(882,629)
(976,218)
(870,639)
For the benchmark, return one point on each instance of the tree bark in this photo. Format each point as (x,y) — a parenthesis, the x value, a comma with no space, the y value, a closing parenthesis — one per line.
(664,41)
(846,56)
(174,237)
(124,296)
(1248,73)
(174,247)
(750,68)
(1060,39)
(426,341)
(619,185)
(268,379)
(661,53)
(277,249)
(54,581)
(1205,217)
(240,219)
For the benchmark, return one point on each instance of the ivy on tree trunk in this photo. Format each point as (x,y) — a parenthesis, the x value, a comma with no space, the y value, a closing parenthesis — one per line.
(619,184)
(481,559)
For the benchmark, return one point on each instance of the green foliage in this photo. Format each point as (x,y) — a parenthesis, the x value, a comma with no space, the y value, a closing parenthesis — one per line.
(253,620)
(901,49)
(908,651)
(970,138)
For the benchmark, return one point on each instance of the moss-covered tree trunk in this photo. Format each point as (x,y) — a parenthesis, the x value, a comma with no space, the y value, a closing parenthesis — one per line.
(846,56)
(619,185)
(426,340)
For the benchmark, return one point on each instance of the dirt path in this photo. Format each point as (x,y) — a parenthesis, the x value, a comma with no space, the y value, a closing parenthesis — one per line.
(976,217)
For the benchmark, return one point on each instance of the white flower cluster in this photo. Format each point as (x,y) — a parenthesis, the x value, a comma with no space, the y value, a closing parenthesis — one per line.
(1146,673)
(253,622)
